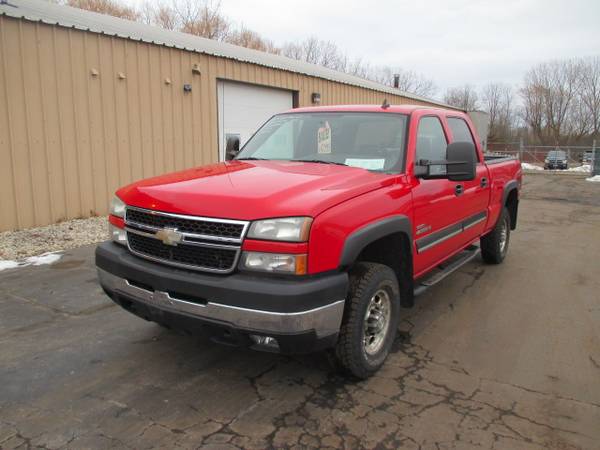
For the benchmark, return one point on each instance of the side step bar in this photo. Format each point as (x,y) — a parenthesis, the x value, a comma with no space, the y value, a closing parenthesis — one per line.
(445,269)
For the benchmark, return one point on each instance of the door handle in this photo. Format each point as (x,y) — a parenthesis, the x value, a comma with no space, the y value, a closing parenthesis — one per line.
(459,189)
(484,182)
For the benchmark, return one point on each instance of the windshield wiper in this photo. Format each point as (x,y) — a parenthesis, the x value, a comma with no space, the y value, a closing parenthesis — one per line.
(251,158)
(319,161)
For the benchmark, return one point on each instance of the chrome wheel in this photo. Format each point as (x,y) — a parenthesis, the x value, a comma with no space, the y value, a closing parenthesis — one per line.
(377,322)
(503,236)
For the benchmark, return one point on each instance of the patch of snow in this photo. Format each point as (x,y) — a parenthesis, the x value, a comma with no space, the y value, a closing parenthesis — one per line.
(583,168)
(44,258)
(527,166)
(594,179)
(7,264)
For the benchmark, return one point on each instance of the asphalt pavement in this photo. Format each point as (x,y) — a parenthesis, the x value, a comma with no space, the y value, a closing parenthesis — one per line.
(504,357)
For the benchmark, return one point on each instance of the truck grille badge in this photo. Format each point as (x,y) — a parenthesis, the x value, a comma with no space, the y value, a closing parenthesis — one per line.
(169,236)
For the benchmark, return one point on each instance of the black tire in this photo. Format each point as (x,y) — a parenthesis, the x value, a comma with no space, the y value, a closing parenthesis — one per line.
(367,280)
(492,249)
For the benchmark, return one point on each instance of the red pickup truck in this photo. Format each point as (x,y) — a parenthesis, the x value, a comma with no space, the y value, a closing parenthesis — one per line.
(326,223)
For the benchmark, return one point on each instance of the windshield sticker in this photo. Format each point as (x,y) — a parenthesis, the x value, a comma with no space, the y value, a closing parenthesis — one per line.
(369,164)
(324,139)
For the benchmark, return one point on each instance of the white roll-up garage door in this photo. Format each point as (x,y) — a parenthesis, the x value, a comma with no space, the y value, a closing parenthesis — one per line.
(243,108)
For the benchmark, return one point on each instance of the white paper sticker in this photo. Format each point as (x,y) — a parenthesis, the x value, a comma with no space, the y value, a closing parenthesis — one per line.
(369,164)
(324,139)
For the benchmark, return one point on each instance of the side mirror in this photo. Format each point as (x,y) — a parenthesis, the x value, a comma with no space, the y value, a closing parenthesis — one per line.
(461,157)
(459,164)
(232,146)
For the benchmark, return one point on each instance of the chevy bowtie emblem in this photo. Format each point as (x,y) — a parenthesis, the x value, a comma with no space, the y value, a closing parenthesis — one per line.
(169,236)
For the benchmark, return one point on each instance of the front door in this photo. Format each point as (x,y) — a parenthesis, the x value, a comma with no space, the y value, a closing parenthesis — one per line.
(438,206)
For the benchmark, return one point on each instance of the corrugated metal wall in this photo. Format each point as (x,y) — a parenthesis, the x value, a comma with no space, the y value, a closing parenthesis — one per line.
(82,114)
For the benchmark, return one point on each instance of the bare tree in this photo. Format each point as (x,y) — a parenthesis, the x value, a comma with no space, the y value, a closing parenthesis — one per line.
(533,112)
(159,14)
(408,80)
(560,80)
(590,93)
(497,101)
(552,106)
(578,122)
(464,97)
(250,39)
(110,7)
(327,54)
(315,51)
(202,19)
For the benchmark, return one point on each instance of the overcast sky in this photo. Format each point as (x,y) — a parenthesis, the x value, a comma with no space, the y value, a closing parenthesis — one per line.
(453,42)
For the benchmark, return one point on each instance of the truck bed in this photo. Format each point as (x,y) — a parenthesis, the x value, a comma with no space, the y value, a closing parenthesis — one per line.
(491,158)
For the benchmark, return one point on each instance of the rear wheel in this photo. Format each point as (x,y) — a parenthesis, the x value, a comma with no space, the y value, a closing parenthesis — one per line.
(494,245)
(370,319)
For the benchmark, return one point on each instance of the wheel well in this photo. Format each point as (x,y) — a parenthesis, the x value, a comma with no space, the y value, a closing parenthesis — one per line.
(393,250)
(512,204)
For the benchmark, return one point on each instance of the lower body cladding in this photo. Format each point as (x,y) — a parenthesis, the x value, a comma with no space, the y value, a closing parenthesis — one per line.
(265,313)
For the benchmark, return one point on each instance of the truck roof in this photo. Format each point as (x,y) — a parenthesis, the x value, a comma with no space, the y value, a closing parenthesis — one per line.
(404,109)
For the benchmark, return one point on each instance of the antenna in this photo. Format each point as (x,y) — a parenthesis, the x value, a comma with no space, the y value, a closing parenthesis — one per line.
(385,104)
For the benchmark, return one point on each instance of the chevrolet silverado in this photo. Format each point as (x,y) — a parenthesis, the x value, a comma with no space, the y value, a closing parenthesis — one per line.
(326,223)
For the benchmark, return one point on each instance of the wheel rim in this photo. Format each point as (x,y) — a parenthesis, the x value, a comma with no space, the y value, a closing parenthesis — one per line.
(503,236)
(377,321)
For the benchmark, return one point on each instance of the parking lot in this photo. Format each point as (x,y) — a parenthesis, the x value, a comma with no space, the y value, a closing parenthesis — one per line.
(504,357)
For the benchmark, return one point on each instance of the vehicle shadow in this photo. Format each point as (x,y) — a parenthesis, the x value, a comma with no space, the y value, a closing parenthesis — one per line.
(202,357)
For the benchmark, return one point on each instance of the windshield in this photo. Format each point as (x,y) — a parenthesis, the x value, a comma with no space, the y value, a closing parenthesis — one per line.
(372,141)
(557,154)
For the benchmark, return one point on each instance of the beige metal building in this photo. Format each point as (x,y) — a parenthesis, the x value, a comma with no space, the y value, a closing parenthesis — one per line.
(89,103)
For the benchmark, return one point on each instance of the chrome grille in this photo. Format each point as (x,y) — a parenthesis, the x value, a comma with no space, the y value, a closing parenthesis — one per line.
(209,228)
(204,244)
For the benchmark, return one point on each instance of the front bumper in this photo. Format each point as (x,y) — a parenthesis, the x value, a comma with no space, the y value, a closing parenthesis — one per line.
(302,315)
(555,166)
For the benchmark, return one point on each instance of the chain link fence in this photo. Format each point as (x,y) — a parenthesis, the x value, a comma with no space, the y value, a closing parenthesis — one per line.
(568,158)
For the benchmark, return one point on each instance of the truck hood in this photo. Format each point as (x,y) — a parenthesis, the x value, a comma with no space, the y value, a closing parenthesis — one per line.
(249,190)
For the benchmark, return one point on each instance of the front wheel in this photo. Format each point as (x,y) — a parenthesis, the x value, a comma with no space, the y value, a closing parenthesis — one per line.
(370,319)
(494,245)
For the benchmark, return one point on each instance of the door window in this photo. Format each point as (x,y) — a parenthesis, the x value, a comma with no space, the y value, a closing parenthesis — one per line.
(431,143)
(460,132)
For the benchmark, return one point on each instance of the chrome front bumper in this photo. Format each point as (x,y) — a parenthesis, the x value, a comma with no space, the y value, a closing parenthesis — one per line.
(324,321)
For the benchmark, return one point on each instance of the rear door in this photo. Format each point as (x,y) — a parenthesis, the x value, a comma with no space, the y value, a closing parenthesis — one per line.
(475,196)
(437,209)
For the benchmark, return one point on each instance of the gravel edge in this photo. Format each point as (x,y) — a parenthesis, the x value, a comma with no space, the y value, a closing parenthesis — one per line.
(16,245)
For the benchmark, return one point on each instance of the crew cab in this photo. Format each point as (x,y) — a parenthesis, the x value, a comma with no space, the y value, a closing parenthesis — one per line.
(326,223)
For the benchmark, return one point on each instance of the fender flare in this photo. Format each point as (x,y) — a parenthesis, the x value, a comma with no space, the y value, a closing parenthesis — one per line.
(508,187)
(364,236)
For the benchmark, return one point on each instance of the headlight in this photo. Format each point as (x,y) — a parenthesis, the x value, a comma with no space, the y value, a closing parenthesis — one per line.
(546,160)
(274,262)
(117,207)
(565,161)
(291,229)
